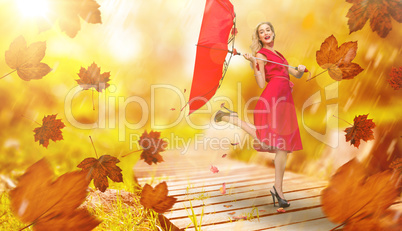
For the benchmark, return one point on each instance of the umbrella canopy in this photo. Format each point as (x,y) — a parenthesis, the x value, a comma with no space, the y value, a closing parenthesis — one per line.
(212,49)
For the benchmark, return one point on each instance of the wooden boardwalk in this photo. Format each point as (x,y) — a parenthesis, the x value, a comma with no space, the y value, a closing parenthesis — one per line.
(190,180)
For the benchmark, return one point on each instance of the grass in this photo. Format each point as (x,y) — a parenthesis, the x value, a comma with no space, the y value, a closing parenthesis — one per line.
(193,217)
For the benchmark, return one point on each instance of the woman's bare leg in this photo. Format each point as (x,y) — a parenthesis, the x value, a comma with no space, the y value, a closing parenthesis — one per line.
(280,163)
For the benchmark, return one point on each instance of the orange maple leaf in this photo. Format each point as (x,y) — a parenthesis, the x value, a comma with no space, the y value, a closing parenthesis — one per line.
(152,146)
(68,14)
(378,11)
(396,78)
(338,60)
(157,198)
(50,129)
(43,202)
(100,169)
(360,130)
(352,197)
(26,59)
(93,78)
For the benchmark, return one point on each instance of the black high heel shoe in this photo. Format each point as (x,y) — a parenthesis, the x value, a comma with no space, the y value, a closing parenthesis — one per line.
(282,202)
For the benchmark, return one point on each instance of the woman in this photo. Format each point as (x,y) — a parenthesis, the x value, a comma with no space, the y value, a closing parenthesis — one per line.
(275,123)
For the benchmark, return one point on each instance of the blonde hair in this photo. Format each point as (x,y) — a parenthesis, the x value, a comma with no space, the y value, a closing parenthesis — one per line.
(256,44)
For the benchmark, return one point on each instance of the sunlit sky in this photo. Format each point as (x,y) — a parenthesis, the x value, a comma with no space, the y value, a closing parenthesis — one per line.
(148,43)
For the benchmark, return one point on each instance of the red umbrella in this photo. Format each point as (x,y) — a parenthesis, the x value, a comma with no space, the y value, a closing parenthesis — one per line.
(211,60)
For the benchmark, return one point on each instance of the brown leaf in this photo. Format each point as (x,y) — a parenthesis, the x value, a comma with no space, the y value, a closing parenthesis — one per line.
(50,130)
(51,204)
(396,165)
(93,78)
(157,198)
(26,60)
(360,130)
(353,196)
(338,60)
(100,169)
(152,146)
(396,78)
(379,13)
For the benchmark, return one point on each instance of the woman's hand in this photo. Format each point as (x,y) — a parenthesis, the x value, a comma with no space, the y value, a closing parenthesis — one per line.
(301,68)
(250,58)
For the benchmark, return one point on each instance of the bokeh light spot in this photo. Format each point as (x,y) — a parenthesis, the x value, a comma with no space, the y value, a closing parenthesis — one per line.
(33,8)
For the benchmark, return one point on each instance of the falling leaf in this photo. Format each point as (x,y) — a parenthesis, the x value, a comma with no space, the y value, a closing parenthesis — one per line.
(396,78)
(227,206)
(152,146)
(185,90)
(338,60)
(50,129)
(240,217)
(93,78)
(379,13)
(360,130)
(234,144)
(281,210)
(232,213)
(157,198)
(44,202)
(353,196)
(100,169)
(68,14)
(223,188)
(26,60)
(172,109)
(214,169)
(224,155)
(396,165)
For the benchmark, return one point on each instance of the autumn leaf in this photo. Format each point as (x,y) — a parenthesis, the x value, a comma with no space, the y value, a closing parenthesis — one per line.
(224,155)
(353,197)
(396,165)
(100,169)
(378,11)
(241,217)
(227,206)
(360,130)
(152,145)
(43,202)
(172,109)
(281,210)
(157,198)
(92,77)
(68,14)
(214,169)
(396,78)
(338,60)
(26,60)
(232,213)
(50,129)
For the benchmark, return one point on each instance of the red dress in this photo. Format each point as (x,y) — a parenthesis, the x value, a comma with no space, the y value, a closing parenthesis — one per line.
(274,114)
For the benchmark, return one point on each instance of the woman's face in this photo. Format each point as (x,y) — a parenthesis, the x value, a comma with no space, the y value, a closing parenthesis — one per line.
(265,34)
